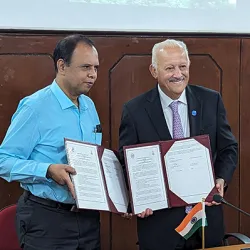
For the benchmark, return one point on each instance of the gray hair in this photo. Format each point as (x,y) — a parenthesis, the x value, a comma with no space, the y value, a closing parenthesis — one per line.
(169,43)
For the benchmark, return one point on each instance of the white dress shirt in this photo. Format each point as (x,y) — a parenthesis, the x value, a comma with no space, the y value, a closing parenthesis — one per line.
(182,109)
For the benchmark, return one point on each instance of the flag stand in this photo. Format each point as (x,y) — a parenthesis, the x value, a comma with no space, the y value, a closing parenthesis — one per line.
(203,237)
(203,224)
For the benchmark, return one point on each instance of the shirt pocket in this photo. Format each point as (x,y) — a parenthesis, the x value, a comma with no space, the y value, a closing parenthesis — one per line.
(97,138)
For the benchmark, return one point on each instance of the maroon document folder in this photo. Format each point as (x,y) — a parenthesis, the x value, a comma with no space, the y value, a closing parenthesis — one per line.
(116,170)
(173,199)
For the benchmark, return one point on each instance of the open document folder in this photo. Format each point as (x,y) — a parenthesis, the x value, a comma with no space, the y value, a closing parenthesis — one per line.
(170,173)
(99,181)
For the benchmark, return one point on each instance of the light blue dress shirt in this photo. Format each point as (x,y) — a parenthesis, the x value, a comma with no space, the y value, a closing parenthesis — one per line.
(35,139)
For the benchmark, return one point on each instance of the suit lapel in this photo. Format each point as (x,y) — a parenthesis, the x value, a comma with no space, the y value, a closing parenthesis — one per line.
(194,111)
(154,109)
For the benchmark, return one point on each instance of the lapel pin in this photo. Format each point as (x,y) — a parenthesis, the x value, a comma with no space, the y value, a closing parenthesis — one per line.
(194,113)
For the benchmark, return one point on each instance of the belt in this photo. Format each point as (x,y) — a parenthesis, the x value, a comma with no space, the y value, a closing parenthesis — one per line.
(49,203)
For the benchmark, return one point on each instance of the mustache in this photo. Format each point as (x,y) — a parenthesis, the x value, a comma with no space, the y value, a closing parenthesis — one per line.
(176,79)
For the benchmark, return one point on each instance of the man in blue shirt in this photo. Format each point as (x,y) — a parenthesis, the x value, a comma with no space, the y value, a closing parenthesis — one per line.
(33,152)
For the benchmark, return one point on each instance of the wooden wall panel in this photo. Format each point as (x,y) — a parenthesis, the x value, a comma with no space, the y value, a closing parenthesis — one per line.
(21,75)
(26,65)
(245,136)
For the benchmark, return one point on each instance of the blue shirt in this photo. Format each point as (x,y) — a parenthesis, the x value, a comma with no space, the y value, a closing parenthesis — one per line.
(35,139)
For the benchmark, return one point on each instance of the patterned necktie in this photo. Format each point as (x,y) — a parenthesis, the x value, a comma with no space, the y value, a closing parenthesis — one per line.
(177,126)
(178,130)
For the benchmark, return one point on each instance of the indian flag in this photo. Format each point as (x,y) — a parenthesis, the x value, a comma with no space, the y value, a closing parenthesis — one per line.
(195,219)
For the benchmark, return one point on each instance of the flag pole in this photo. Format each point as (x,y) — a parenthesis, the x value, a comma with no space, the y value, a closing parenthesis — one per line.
(203,223)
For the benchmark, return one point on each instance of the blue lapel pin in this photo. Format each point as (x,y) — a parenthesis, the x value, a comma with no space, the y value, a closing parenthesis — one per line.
(194,113)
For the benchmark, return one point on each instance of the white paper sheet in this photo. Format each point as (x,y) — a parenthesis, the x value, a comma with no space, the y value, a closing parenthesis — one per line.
(88,182)
(115,181)
(146,178)
(189,170)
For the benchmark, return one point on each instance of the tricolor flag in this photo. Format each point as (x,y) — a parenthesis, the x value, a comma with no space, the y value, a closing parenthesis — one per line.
(195,219)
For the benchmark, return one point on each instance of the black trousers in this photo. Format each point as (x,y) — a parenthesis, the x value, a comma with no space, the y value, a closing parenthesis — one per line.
(41,226)
(194,242)
(157,232)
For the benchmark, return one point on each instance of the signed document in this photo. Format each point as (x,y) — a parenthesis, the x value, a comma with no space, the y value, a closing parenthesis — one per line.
(146,178)
(188,162)
(99,181)
(169,174)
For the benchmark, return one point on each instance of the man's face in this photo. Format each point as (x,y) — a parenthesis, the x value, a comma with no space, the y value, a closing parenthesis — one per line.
(172,71)
(81,74)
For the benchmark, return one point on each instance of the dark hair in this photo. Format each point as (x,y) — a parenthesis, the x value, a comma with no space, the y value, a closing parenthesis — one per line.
(65,48)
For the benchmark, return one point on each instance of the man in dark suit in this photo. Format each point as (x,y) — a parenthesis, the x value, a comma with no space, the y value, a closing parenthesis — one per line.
(149,118)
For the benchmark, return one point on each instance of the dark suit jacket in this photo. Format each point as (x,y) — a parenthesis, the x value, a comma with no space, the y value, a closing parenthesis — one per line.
(143,121)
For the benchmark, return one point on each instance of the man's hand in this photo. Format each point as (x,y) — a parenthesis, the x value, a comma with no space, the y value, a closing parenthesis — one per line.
(220,184)
(127,216)
(60,174)
(145,213)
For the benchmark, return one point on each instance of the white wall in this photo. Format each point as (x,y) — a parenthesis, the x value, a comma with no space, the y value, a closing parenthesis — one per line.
(78,15)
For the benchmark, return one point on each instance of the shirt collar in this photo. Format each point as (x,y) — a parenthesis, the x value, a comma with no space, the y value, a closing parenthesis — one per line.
(63,99)
(166,100)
